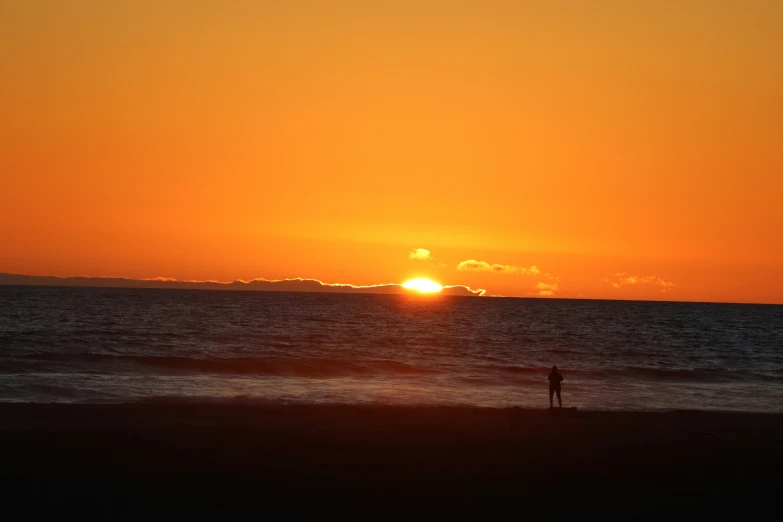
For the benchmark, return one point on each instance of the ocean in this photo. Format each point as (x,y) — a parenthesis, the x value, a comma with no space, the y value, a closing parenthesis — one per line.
(109,345)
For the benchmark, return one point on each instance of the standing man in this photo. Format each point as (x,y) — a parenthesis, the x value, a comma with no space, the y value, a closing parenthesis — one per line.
(554,386)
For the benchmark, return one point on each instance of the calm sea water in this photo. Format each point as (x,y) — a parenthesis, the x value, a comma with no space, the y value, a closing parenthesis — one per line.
(118,345)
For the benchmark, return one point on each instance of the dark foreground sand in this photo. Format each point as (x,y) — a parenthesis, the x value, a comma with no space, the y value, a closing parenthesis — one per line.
(250,462)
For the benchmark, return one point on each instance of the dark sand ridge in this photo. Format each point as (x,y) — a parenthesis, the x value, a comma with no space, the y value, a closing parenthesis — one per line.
(245,462)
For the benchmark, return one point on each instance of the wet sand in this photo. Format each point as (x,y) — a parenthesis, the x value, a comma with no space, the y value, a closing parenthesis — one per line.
(246,462)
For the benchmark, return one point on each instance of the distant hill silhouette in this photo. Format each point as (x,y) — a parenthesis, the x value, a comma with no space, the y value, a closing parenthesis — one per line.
(260,285)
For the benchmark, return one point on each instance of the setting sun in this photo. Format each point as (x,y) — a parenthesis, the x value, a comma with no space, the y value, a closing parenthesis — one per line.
(423,285)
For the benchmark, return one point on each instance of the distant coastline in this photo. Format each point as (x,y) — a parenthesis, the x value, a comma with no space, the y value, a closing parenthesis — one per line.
(304,285)
(258,285)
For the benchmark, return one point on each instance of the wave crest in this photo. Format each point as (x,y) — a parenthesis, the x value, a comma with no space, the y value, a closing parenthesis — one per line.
(278,366)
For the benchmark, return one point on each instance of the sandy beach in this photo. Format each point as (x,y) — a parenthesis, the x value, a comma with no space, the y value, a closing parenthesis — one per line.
(243,462)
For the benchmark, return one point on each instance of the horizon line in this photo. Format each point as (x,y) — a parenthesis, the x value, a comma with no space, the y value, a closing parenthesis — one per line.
(168,283)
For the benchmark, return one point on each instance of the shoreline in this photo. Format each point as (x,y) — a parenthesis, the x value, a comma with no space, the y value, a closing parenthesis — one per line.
(262,403)
(359,462)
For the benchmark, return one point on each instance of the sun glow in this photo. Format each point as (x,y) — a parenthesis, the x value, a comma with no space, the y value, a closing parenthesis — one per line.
(423,285)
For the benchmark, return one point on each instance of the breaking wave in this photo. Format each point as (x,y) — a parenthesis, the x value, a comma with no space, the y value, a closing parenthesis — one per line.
(335,368)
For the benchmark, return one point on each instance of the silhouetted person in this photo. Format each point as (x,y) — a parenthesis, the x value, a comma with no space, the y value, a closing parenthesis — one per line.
(554,386)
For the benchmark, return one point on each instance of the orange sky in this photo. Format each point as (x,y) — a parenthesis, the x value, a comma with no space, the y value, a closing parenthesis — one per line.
(241,139)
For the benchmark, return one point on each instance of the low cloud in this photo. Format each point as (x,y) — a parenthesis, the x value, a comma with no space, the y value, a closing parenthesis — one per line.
(471,265)
(544,289)
(421,254)
(462,290)
(297,284)
(622,279)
